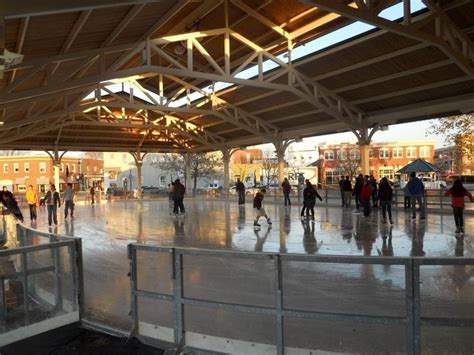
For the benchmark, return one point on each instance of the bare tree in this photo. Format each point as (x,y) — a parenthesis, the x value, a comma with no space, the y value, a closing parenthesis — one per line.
(171,163)
(349,167)
(269,167)
(204,165)
(241,171)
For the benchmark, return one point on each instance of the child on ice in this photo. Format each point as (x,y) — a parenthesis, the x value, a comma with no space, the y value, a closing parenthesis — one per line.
(259,210)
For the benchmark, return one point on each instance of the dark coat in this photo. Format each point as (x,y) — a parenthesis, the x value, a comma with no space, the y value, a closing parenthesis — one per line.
(310,194)
(385,192)
(240,187)
(347,185)
(179,190)
(358,186)
(257,200)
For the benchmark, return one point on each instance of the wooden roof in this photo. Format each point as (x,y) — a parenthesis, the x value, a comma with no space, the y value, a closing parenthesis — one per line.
(413,68)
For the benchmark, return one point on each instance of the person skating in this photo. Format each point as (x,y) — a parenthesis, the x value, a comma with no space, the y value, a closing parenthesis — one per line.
(347,192)
(178,196)
(373,184)
(365,196)
(357,190)
(286,187)
(341,190)
(416,189)
(385,196)
(457,193)
(170,197)
(68,200)
(240,188)
(309,199)
(92,193)
(32,200)
(53,201)
(258,207)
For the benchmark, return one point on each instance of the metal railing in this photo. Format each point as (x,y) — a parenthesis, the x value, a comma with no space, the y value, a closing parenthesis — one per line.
(41,284)
(411,318)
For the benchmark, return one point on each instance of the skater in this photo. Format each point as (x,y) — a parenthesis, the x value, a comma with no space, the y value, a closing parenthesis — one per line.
(365,196)
(385,196)
(406,199)
(286,187)
(373,185)
(341,189)
(68,200)
(170,197)
(52,202)
(178,195)
(92,193)
(258,206)
(357,190)
(309,199)
(32,200)
(240,188)
(457,193)
(347,192)
(416,189)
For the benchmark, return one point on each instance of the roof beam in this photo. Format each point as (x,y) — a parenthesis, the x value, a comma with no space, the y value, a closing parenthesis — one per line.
(461,58)
(134,11)
(15,8)
(20,41)
(81,20)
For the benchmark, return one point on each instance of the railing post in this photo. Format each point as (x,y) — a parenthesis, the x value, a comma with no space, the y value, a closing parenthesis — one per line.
(441,198)
(178,296)
(3,308)
(416,308)
(326,197)
(280,345)
(26,298)
(132,256)
(80,277)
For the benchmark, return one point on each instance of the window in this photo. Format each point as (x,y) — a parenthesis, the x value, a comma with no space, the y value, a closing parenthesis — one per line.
(73,168)
(397,152)
(87,169)
(26,167)
(95,168)
(332,176)
(384,153)
(371,153)
(355,154)
(425,152)
(5,168)
(411,152)
(16,167)
(61,169)
(341,155)
(388,173)
(42,167)
(162,180)
(329,155)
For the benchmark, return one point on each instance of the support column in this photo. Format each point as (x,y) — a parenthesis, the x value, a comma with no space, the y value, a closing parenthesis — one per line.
(56,159)
(280,149)
(364,136)
(187,173)
(138,158)
(364,158)
(226,155)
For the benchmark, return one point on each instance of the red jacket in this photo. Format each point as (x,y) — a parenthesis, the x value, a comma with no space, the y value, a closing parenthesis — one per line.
(366,192)
(458,201)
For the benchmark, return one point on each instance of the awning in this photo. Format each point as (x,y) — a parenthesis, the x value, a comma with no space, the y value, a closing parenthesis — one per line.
(419,166)
(42,181)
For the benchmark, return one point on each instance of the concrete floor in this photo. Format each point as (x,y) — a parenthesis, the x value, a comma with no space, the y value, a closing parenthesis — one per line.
(107,228)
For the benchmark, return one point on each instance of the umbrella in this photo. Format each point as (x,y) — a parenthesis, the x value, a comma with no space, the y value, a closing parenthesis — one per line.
(419,166)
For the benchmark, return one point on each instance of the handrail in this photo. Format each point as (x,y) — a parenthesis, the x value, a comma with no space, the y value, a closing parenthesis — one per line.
(412,319)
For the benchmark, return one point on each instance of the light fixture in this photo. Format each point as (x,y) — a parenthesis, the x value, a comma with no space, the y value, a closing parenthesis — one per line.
(384,128)
(9,59)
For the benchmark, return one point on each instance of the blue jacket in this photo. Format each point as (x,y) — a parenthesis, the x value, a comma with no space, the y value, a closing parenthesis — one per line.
(415,187)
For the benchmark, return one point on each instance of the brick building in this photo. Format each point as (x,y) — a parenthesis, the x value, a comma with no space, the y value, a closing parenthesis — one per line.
(22,170)
(385,158)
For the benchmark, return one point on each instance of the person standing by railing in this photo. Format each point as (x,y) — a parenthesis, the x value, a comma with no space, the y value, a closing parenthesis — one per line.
(347,192)
(365,196)
(457,193)
(69,201)
(417,190)
(357,190)
(341,189)
(286,187)
(240,188)
(385,196)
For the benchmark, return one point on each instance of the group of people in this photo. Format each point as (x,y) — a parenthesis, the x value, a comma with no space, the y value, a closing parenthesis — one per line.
(367,194)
